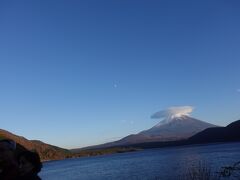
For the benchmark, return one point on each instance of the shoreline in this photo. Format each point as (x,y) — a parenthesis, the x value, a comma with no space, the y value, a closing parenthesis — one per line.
(138,149)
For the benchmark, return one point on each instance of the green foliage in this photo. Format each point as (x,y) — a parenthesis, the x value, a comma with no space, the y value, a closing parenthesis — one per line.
(2,137)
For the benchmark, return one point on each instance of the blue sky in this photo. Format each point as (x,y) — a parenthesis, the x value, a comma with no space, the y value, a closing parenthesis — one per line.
(78,73)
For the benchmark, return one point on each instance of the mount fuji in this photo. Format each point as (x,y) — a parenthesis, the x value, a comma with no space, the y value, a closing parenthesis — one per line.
(176,125)
(170,129)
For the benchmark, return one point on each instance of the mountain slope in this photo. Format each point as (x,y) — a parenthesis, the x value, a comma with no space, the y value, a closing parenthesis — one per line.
(172,128)
(176,128)
(218,134)
(230,133)
(46,151)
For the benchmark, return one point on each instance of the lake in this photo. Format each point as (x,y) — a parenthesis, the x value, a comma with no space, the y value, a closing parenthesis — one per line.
(162,163)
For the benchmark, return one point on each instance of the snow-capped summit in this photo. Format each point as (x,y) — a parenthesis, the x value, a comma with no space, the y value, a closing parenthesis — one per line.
(172,119)
(178,127)
(172,113)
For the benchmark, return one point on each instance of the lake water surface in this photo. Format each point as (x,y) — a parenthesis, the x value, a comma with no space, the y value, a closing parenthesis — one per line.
(163,163)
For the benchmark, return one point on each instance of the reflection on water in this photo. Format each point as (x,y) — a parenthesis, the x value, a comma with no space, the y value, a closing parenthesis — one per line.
(165,163)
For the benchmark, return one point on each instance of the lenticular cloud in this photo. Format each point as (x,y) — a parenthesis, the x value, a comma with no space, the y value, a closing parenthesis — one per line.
(173,112)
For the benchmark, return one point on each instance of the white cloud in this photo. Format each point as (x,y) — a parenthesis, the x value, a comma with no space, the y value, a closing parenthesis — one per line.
(173,111)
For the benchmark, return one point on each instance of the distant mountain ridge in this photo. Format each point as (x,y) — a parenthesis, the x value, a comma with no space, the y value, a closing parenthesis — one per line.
(46,151)
(172,128)
(218,134)
(230,133)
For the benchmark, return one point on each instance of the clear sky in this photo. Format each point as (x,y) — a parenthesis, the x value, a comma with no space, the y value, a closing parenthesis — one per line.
(78,73)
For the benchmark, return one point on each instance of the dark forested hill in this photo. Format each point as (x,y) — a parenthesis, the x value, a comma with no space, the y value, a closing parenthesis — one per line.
(46,151)
(218,134)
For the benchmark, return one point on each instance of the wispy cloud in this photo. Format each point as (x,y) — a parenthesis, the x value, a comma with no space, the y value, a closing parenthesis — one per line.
(173,111)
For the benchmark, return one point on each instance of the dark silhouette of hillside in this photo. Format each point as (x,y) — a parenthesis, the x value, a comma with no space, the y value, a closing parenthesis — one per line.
(218,134)
(50,152)
(45,151)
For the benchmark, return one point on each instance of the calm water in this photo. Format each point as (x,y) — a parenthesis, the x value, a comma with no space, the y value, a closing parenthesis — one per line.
(165,163)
